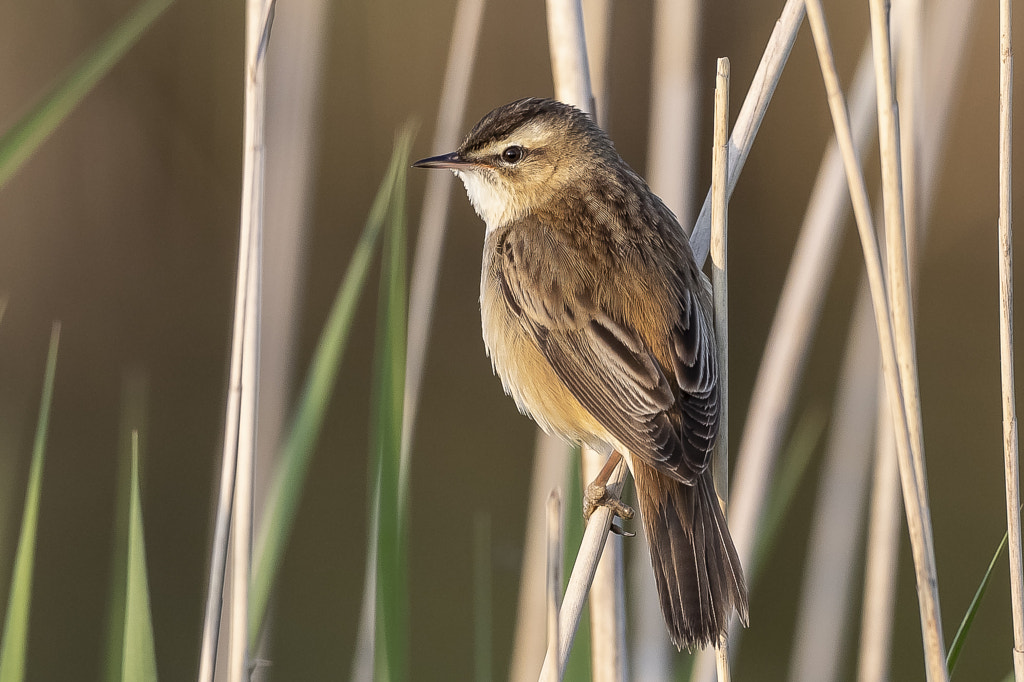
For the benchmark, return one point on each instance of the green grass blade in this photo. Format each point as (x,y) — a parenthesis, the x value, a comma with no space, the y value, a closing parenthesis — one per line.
(392,624)
(15,636)
(290,476)
(21,141)
(139,654)
(133,408)
(965,625)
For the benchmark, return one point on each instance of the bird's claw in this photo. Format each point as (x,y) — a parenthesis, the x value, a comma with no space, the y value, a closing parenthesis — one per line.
(596,495)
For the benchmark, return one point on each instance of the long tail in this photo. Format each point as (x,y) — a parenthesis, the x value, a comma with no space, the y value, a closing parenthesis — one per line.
(698,573)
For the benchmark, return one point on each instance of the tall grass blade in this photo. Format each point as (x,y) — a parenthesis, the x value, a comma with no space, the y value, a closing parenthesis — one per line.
(133,408)
(965,625)
(290,476)
(138,663)
(21,141)
(392,584)
(15,636)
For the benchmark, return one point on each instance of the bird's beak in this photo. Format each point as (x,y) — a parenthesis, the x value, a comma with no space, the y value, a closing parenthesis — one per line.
(453,161)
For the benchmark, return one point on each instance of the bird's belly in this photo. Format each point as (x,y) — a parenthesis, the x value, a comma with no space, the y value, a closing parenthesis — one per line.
(528,377)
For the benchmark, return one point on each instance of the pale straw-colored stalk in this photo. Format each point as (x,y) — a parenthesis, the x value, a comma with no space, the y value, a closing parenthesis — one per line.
(1012,474)
(916,504)
(607,595)
(943,48)
(882,552)
(235,497)
(825,600)
(719,283)
(901,318)
(426,265)
(672,163)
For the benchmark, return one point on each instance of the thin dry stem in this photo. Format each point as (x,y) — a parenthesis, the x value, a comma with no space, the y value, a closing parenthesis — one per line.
(882,554)
(945,40)
(606,600)
(1012,473)
(719,281)
(916,504)
(235,496)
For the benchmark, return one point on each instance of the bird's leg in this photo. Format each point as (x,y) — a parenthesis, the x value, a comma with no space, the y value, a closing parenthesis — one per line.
(596,494)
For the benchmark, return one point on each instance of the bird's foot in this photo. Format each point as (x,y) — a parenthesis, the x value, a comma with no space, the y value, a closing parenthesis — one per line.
(596,495)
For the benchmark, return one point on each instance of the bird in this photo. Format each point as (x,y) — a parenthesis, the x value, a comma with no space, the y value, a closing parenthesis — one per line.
(599,324)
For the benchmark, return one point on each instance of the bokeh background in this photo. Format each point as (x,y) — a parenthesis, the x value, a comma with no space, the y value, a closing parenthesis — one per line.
(124,226)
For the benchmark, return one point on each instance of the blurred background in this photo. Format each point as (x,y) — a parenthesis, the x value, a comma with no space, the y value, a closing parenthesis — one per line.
(124,227)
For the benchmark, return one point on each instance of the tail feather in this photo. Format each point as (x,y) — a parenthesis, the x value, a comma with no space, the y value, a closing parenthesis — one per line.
(696,568)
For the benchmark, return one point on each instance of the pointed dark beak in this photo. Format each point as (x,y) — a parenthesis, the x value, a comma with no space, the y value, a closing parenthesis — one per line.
(444,161)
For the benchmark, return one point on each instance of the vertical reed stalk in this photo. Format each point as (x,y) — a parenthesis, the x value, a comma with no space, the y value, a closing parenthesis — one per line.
(1012,474)
(240,421)
(719,282)
(901,317)
(917,512)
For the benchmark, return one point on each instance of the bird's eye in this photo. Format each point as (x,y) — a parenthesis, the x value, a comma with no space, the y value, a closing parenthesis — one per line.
(513,154)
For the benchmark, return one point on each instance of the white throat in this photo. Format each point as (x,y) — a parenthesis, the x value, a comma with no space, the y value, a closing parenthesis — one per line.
(494,205)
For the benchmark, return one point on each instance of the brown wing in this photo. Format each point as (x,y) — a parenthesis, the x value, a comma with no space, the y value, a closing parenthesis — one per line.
(668,416)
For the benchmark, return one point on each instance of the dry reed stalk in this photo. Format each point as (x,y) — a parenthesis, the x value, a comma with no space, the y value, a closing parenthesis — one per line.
(916,504)
(426,265)
(825,601)
(1012,474)
(235,497)
(943,49)
(672,162)
(901,318)
(720,286)
(607,596)
(882,553)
